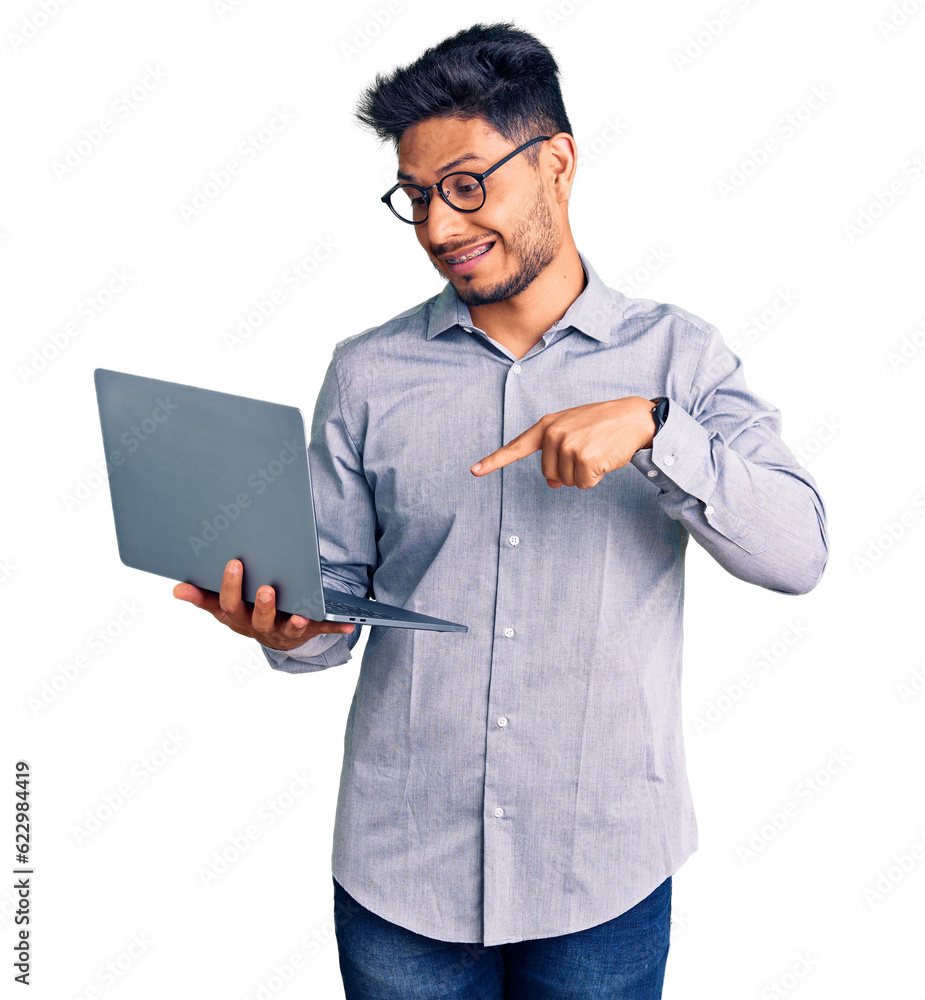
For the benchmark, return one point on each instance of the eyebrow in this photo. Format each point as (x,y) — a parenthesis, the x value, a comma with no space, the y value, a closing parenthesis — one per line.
(465,158)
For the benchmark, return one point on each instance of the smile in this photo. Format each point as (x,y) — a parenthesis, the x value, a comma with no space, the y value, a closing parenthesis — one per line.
(469,256)
(469,261)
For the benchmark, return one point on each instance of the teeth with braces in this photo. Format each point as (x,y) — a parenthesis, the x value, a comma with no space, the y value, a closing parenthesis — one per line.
(469,256)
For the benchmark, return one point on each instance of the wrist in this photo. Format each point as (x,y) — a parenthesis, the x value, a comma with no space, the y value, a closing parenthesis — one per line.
(658,416)
(649,424)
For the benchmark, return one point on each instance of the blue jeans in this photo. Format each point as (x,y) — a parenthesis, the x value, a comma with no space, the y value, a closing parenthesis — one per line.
(622,959)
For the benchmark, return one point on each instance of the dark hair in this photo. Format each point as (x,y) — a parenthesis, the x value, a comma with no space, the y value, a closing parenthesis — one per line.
(491,71)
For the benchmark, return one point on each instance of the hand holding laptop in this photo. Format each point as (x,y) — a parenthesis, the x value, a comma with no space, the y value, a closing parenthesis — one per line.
(203,480)
(258,621)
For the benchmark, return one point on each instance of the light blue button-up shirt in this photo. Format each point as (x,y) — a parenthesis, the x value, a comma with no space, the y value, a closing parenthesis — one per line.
(527,778)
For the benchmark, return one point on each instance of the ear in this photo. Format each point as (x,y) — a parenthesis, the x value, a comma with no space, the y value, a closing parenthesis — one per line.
(563,163)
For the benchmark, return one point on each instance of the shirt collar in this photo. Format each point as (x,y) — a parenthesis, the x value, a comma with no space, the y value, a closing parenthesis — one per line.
(591,313)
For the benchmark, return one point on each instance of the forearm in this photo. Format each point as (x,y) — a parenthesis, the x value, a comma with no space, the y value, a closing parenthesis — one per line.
(765,525)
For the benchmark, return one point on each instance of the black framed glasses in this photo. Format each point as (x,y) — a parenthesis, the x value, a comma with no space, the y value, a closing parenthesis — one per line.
(462,190)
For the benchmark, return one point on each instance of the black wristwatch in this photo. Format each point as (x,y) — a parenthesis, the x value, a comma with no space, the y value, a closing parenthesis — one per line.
(660,412)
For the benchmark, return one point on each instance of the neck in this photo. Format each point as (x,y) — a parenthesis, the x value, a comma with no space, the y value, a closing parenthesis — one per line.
(520,322)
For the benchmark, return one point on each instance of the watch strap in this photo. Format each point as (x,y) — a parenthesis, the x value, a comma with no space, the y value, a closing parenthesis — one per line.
(660,412)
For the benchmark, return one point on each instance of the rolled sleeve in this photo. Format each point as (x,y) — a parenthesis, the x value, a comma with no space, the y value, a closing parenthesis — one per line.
(330,649)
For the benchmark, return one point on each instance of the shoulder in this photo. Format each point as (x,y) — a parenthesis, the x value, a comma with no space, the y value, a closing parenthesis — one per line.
(649,313)
(668,328)
(408,325)
(659,325)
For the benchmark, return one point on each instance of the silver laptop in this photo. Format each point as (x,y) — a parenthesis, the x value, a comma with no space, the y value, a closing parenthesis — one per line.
(199,477)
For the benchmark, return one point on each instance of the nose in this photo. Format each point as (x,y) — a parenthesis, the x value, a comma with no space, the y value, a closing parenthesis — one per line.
(443,222)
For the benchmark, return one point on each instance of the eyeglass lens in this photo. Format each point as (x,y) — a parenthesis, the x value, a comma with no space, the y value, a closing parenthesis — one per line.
(461,190)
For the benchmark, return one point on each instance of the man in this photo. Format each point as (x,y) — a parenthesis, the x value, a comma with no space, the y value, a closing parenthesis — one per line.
(526,452)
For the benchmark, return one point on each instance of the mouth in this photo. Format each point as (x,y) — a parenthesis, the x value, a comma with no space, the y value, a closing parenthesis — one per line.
(468,261)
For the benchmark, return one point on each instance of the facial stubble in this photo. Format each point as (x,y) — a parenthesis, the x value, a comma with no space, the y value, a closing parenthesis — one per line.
(536,242)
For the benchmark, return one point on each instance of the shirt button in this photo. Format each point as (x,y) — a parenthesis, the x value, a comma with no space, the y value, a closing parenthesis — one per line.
(468,329)
(709,510)
(499,812)
(509,631)
(513,540)
(669,460)
(502,722)
(515,369)
(652,472)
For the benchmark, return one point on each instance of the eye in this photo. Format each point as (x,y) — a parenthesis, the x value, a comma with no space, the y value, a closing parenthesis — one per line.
(414,195)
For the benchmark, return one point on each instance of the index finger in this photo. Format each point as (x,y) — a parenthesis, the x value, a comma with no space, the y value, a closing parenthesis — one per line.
(222,604)
(524,444)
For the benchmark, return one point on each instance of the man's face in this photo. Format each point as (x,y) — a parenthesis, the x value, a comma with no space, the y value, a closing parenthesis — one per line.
(516,221)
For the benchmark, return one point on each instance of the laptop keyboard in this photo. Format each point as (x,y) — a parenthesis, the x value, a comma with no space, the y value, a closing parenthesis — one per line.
(339,608)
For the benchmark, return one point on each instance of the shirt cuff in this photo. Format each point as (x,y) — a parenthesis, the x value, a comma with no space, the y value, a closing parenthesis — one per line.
(677,457)
(315,654)
(685,465)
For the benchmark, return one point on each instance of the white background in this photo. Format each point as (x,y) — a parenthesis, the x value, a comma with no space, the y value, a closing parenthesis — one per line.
(828,735)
